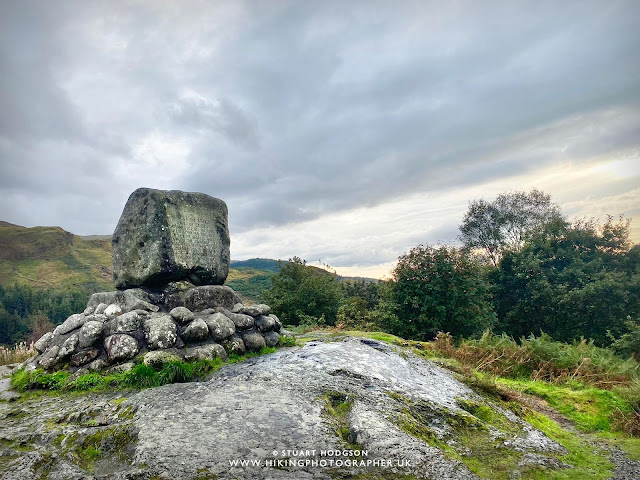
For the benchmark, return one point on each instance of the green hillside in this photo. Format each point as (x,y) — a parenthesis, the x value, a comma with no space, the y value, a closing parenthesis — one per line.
(52,258)
(256,264)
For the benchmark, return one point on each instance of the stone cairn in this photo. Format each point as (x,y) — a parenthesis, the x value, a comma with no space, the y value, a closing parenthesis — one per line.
(170,261)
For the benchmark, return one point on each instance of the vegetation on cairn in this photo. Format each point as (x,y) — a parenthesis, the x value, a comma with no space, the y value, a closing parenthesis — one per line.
(140,376)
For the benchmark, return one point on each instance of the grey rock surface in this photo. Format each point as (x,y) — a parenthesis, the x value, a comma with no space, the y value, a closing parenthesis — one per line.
(252,339)
(255,310)
(196,331)
(220,327)
(268,408)
(127,300)
(206,352)
(121,347)
(68,346)
(160,332)
(50,357)
(125,323)
(234,344)
(165,236)
(90,332)
(83,357)
(200,298)
(276,403)
(44,341)
(271,338)
(182,315)
(158,358)
(242,322)
(74,321)
(265,323)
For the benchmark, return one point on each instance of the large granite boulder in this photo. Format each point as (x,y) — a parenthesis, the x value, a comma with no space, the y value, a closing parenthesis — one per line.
(166,236)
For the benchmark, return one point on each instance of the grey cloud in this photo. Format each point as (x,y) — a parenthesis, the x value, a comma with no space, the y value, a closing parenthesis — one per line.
(220,116)
(291,110)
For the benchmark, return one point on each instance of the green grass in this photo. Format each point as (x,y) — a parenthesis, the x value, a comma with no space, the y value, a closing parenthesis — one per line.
(337,408)
(139,377)
(287,341)
(589,408)
(380,336)
(589,462)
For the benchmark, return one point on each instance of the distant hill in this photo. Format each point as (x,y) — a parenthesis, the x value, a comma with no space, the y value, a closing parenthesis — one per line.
(257,264)
(50,257)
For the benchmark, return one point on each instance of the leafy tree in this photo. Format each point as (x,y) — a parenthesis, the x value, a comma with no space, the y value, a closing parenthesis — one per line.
(506,223)
(303,294)
(570,281)
(367,291)
(20,305)
(438,289)
(39,324)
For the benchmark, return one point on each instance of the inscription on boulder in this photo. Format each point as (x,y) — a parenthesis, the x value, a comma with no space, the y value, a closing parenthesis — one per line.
(166,236)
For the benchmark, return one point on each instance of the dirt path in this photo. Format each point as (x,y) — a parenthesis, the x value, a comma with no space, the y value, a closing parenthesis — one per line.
(626,469)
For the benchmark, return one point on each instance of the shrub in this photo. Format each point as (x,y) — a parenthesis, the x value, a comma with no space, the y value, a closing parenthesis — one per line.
(540,358)
(438,289)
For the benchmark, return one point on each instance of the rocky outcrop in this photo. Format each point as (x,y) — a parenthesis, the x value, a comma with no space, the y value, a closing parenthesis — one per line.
(166,236)
(341,408)
(191,322)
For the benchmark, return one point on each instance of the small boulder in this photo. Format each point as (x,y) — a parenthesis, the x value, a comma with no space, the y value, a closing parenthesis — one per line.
(256,310)
(50,357)
(74,321)
(271,338)
(158,358)
(277,324)
(205,296)
(264,323)
(160,332)
(220,326)
(241,321)
(84,356)
(234,344)
(196,331)
(125,323)
(113,310)
(97,317)
(121,347)
(44,342)
(100,308)
(253,340)
(131,299)
(182,315)
(237,307)
(206,352)
(90,332)
(68,347)
(123,367)
(97,364)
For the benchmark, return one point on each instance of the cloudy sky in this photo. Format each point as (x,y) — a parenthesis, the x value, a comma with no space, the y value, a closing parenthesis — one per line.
(346,131)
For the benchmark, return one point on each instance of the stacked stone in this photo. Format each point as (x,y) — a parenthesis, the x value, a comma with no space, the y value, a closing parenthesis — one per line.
(197,323)
(165,244)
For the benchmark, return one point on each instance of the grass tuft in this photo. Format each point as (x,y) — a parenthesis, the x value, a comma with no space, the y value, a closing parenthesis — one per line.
(139,377)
